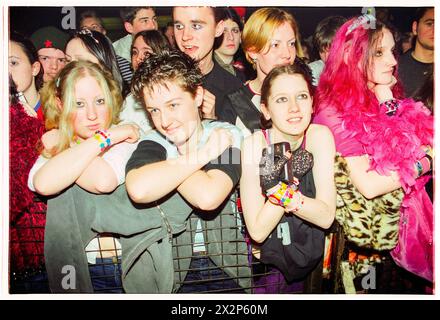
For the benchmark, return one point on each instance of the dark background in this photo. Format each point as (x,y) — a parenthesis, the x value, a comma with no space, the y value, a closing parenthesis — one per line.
(28,19)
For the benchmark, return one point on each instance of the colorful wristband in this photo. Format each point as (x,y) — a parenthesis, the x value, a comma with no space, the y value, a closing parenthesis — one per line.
(275,196)
(423,166)
(428,156)
(287,195)
(103,138)
(297,202)
(391,106)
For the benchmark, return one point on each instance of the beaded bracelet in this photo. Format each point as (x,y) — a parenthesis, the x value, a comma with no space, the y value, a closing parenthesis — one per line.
(278,194)
(391,106)
(103,138)
(287,194)
(298,201)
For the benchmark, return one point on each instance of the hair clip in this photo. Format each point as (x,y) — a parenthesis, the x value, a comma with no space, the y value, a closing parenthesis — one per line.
(87,32)
(363,19)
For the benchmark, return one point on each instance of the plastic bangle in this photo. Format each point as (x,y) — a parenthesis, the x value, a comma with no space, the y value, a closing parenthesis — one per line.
(276,195)
(103,138)
(426,165)
(298,202)
(287,195)
(423,166)
(419,168)
(427,156)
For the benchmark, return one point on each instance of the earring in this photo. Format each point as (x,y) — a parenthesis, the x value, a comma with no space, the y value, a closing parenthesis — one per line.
(254,60)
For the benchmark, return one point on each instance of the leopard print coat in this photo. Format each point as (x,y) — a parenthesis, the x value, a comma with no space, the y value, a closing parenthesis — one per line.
(367,223)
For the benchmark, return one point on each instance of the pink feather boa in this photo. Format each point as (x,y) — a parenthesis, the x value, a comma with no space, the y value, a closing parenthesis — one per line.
(394,143)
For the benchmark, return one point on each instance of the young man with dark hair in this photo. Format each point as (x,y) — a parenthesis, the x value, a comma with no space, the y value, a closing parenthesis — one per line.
(415,65)
(193,163)
(322,39)
(195,29)
(135,19)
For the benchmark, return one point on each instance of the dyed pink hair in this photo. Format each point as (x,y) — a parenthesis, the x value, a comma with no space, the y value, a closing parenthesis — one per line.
(343,85)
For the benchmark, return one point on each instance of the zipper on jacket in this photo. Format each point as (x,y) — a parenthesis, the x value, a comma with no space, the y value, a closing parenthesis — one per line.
(167,223)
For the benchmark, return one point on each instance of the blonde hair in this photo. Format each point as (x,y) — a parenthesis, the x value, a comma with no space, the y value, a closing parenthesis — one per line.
(59,102)
(260,27)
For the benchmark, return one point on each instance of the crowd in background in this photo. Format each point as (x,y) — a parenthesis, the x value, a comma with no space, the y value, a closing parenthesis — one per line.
(321,147)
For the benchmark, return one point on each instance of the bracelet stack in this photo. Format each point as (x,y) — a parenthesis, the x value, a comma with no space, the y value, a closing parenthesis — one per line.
(103,138)
(287,195)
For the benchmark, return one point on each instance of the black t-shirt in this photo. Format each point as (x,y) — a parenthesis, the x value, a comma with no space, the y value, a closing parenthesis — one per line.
(220,82)
(412,73)
(149,152)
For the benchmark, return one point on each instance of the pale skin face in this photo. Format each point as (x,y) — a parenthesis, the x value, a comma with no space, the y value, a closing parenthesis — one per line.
(145,19)
(195,30)
(231,39)
(93,24)
(92,112)
(383,62)
(424,30)
(174,112)
(22,71)
(289,105)
(52,60)
(280,50)
(76,50)
(140,51)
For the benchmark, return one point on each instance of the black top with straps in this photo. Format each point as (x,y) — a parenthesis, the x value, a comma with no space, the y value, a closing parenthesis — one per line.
(295,246)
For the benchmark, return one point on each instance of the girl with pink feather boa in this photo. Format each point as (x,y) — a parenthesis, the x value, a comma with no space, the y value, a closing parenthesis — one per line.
(386,140)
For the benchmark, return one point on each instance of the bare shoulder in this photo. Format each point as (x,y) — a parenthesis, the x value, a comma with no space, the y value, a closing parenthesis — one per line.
(318,130)
(254,141)
(252,146)
(319,136)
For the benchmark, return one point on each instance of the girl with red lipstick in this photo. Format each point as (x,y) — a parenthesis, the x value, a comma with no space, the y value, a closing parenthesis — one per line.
(87,147)
(384,143)
(286,217)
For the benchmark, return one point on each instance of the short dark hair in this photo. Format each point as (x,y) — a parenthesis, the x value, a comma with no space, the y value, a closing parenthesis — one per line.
(31,53)
(426,92)
(128,14)
(298,67)
(89,14)
(166,66)
(155,39)
(420,12)
(325,32)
